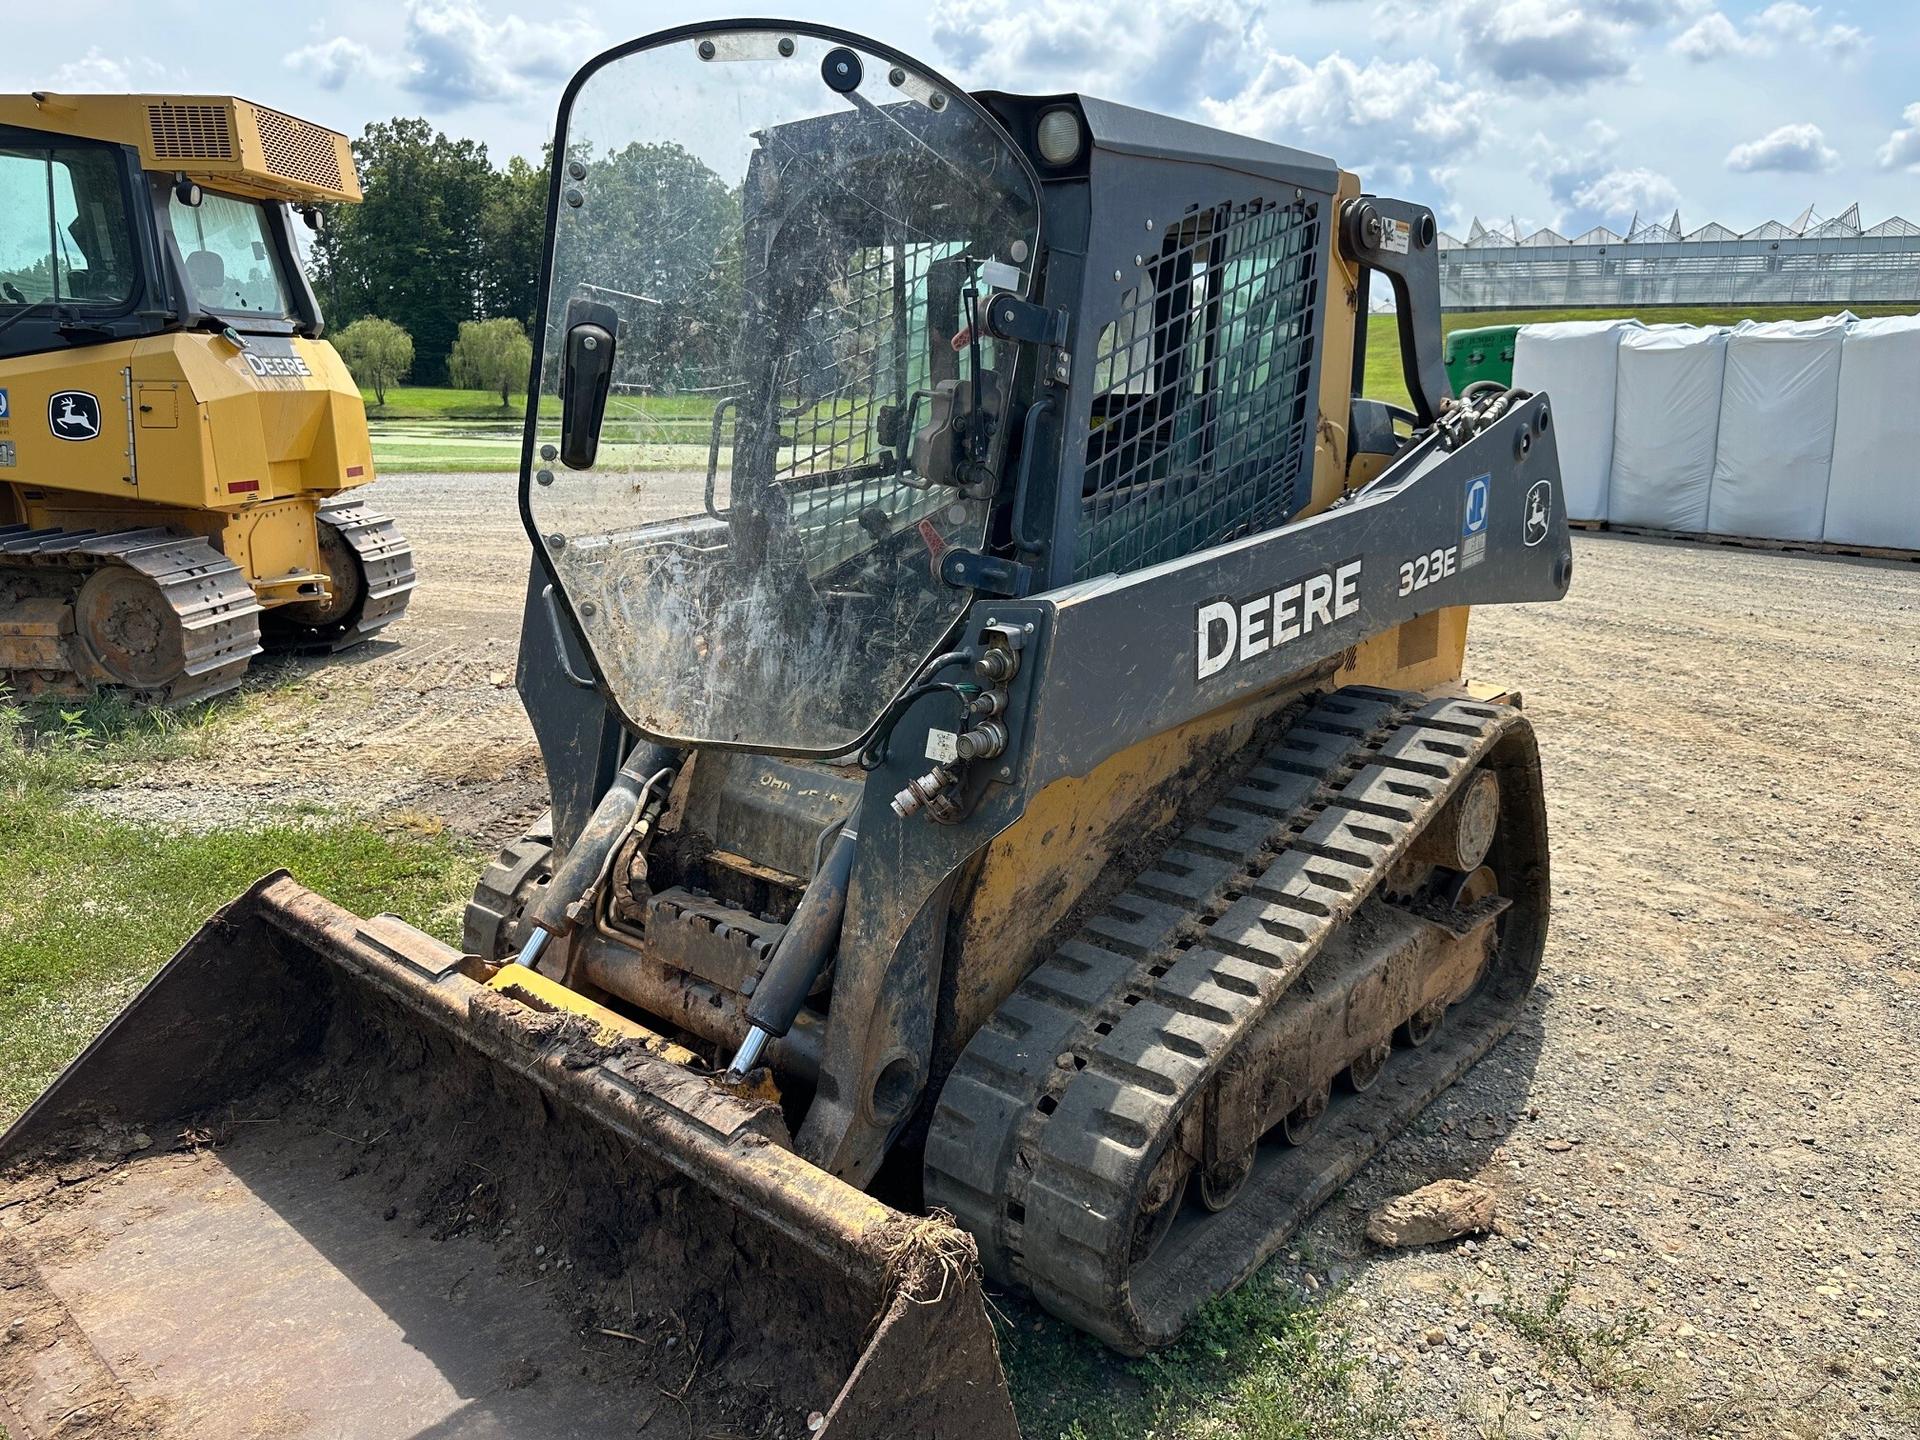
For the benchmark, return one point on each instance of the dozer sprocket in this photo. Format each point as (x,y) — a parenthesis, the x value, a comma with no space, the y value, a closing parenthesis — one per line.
(163,615)
(1243,971)
(385,578)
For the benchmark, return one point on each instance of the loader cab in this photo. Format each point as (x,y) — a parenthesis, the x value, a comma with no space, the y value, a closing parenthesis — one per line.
(95,248)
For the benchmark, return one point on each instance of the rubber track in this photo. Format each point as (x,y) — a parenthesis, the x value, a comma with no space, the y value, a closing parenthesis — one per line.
(218,612)
(1045,1133)
(386,563)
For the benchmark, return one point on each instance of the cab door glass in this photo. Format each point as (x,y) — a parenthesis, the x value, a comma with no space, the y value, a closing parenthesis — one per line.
(229,254)
(64,235)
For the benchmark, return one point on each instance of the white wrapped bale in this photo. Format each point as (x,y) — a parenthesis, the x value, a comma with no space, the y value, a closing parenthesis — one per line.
(1666,426)
(1572,362)
(1873,497)
(1777,410)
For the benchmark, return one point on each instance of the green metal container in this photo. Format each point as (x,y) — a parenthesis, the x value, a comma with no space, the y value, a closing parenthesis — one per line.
(1483,354)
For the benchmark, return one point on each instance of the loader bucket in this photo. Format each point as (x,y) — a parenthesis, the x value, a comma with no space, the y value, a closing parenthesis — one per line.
(319,1180)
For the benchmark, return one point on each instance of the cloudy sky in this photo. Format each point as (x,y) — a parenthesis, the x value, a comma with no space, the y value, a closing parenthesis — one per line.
(1554,112)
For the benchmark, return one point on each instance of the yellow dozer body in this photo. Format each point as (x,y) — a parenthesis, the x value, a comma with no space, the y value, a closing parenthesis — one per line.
(177,443)
(1021,822)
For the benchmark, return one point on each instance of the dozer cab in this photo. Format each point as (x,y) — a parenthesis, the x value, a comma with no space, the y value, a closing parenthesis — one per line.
(1016,808)
(178,446)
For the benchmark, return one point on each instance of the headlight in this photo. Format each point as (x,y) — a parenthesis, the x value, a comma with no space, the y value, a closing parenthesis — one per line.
(1059,136)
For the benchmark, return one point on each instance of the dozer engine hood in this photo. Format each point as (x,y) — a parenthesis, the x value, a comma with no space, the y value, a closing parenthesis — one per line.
(766,408)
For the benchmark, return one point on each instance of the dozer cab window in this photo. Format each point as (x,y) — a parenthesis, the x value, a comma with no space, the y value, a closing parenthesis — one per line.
(64,238)
(780,241)
(230,258)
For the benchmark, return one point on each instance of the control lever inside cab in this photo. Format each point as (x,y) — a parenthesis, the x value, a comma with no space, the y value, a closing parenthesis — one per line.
(586,375)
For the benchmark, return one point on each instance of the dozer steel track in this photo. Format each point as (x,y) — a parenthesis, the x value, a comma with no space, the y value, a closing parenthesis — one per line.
(1219,997)
(174,620)
(385,559)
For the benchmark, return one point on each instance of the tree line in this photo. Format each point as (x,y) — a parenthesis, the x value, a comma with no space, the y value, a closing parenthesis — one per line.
(444,242)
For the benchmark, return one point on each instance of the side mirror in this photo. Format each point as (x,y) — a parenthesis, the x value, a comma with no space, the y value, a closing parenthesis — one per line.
(586,373)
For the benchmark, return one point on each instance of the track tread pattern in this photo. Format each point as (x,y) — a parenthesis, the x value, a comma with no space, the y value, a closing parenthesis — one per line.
(1057,1110)
(218,613)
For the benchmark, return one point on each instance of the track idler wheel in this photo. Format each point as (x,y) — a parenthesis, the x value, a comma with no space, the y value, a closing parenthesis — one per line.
(1364,1071)
(1420,1027)
(1304,1118)
(1220,1185)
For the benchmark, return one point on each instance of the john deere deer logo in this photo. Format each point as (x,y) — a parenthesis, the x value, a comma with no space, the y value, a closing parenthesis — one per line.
(73,415)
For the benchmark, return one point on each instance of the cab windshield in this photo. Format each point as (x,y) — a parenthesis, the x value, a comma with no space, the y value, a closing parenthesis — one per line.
(789,238)
(64,237)
(232,263)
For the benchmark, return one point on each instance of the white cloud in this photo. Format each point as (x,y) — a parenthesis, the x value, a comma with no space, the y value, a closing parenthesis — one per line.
(1558,44)
(1783,26)
(1791,148)
(1713,37)
(1621,194)
(455,52)
(1590,185)
(1388,120)
(1166,55)
(1902,150)
(1210,59)
(332,64)
(93,71)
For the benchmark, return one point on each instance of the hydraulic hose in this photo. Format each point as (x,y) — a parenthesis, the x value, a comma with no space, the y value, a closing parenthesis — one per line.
(579,877)
(804,949)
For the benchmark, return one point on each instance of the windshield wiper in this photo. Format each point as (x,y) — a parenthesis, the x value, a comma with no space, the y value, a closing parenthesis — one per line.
(38,305)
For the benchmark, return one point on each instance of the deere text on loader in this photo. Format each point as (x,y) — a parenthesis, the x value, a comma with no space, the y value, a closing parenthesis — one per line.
(1015,806)
(177,443)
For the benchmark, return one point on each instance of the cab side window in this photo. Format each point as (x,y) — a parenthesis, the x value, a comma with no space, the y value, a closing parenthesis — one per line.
(64,236)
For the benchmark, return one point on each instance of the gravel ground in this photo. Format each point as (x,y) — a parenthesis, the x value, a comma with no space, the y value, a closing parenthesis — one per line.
(1701,1133)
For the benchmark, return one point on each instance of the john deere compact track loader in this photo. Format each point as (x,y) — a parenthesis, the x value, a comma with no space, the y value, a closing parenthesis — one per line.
(1015,803)
(177,443)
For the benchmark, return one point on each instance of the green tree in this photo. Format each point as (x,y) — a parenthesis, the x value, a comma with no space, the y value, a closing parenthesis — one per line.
(378,352)
(513,232)
(413,251)
(491,355)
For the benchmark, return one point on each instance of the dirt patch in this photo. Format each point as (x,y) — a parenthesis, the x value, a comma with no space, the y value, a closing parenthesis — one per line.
(1710,1211)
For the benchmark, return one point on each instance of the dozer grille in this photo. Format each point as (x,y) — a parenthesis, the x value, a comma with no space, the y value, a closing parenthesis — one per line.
(190,132)
(1202,411)
(295,150)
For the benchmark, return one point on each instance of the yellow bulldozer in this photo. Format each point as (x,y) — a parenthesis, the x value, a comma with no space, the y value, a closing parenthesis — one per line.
(177,443)
(1018,818)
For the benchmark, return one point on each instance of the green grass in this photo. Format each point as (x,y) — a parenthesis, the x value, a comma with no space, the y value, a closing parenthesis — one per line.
(1255,1365)
(90,905)
(1601,1352)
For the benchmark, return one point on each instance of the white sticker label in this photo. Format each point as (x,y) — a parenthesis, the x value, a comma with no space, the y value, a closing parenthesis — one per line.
(1395,235)
(943,745)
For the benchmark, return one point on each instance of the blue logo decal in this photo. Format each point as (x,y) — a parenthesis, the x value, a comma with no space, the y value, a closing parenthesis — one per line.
(3,405)
(1475,522)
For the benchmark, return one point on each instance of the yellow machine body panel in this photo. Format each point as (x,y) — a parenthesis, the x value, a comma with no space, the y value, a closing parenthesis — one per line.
(191,434)
(219,141)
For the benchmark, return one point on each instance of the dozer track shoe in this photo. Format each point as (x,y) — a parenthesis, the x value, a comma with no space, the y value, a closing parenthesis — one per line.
(164,616)
(1274,998)
(327,1177)
(371,566)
